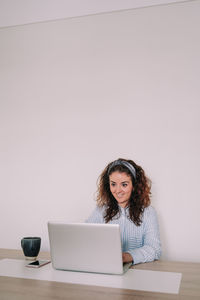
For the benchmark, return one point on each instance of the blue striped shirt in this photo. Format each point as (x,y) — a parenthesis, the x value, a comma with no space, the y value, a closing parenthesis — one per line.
(142,242)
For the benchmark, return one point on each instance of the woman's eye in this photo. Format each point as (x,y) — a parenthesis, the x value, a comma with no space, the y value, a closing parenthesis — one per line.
(112,184)
(124,184)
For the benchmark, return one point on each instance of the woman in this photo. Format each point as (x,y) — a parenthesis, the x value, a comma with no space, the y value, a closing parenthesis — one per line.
(124,198)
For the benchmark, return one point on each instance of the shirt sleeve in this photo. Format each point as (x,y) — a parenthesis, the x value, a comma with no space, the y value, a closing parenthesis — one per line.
(96,216)
(151,249)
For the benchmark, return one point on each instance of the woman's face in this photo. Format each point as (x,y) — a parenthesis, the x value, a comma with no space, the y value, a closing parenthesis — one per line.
(121,187)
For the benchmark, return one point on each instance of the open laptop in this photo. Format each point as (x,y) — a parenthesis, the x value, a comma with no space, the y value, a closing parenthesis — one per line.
(86,247)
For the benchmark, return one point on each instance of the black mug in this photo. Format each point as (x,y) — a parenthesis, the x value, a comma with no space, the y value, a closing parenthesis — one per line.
(31,247)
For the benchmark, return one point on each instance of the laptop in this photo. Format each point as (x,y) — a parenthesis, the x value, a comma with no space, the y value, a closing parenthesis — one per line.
(86,247)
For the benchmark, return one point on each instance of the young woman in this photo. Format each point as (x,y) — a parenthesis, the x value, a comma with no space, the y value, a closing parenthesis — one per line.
(124,198)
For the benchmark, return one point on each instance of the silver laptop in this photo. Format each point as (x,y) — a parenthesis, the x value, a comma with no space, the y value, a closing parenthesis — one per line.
(86,247)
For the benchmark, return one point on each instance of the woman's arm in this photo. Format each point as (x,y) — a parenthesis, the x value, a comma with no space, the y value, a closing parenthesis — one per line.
(151,249)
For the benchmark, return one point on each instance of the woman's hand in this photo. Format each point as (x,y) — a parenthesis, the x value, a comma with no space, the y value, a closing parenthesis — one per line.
(126,257)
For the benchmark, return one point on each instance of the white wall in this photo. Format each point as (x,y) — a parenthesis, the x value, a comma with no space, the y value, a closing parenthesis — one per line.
(79,93)
(23,12)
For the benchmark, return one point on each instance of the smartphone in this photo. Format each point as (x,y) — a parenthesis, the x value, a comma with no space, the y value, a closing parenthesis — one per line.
(38,263)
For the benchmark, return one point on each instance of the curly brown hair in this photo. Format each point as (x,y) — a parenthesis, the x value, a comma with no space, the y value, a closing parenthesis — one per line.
(140,197)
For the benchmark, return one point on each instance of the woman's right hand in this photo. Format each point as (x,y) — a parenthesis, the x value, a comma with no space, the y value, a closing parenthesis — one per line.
(127,257)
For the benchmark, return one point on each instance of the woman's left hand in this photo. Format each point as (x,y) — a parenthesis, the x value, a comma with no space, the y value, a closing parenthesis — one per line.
(126,257)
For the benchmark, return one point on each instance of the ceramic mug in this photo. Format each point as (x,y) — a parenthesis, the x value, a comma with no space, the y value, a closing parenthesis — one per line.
(31,247)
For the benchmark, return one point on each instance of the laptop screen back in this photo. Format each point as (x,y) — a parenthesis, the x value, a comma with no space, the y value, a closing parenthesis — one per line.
(86,247)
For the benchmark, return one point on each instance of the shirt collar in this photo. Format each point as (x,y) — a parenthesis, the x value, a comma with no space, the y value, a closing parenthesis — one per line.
(124,210)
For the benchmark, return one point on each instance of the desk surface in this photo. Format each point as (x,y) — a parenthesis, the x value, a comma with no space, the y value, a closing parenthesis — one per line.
(18,288)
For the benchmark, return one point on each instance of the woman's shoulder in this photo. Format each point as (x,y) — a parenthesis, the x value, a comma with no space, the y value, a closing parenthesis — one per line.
(99,209)
(149,211)
(97,215)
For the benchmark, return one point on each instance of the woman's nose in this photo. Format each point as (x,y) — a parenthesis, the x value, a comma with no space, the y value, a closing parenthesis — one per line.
(118,188)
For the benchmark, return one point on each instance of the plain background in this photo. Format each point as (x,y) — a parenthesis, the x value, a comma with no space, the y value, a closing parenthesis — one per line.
(78,93)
